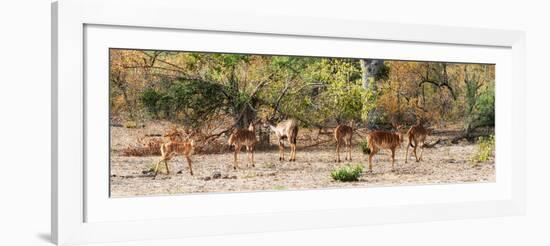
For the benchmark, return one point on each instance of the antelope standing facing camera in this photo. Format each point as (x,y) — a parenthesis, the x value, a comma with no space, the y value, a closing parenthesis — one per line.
(417,134)
(287,129)
(343,134)
(246,137)
(378,140)
(176,145)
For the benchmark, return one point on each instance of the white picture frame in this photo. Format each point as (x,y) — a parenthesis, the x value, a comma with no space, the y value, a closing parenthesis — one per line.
(82,211)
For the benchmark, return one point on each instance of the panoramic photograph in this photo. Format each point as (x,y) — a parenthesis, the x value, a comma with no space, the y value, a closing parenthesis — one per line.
(188,122)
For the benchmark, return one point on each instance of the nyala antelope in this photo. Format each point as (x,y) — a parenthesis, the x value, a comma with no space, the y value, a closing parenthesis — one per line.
(246,137)
(343,134)
(287,129)
(417,134)
(378,140)
(176,145)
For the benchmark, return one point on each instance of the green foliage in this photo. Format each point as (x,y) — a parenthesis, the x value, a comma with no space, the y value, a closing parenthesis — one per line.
(485,107)
(164,105)
(150,100)
(231,60)
(352,101)
(330,89)
(486,148)
(383,73)
(364,147)
(196,98)
(347,173)
(480,98)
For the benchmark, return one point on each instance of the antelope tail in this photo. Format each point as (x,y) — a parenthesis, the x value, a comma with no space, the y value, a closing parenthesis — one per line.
(369,144)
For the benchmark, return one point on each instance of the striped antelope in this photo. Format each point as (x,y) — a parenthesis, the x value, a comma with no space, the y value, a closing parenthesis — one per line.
(417,134)
(343,134)
(287,129)
(176,145)
(246,137)
(378,140)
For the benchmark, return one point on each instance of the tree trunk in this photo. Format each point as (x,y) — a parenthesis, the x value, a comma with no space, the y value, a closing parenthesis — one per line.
(264,137)
(370,67)
(243,117)
(121,86)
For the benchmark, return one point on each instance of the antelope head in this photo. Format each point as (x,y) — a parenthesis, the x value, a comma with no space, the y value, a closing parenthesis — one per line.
(398,130)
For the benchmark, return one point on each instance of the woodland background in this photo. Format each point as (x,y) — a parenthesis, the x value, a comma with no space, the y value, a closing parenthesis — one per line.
(219,92)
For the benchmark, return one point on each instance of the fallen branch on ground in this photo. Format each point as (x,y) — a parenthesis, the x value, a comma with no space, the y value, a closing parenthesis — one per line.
(140,151)
(318,143)
(431,145)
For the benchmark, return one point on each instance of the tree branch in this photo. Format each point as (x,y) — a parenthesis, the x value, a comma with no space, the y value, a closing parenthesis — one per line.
(165,62)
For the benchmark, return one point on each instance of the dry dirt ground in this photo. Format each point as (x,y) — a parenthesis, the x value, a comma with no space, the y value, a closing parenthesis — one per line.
(444,163)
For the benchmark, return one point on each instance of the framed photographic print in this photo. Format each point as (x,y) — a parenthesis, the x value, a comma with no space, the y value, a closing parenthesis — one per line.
(175,125)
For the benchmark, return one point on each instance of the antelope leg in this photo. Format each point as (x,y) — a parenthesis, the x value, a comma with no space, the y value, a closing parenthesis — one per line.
(415,155)
(337,151)
(392,159)
(421,151)
(294,152)
(349,150)
(166,165)
(252,154)
(407,153)
(370,160)
(190,165)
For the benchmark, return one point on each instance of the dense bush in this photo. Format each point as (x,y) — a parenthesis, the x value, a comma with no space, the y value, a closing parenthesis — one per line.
(347,173)
(197,100)
(194,100)
(485,107)
(150,98)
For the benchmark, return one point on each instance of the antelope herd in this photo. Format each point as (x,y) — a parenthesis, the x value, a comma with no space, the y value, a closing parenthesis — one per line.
(287,130)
